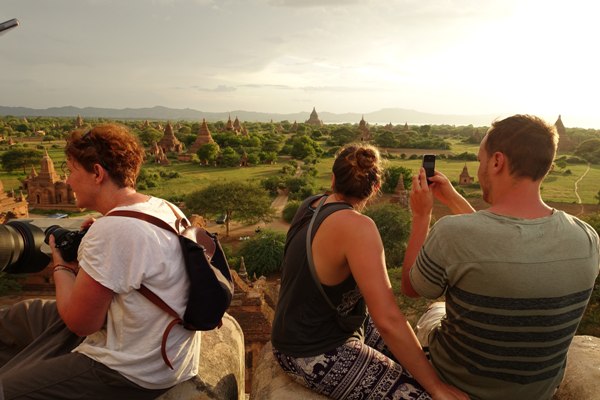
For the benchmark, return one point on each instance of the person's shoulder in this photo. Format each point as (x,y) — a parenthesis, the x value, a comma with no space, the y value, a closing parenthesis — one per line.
(458,220)
(577,222)
(350,218)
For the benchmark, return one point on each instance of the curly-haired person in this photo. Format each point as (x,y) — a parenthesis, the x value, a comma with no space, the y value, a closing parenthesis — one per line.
(101,338)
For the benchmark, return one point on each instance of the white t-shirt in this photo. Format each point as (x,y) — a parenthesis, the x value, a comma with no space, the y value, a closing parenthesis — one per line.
(121,253)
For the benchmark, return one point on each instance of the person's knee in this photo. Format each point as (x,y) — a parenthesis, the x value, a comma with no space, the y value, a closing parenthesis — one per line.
(429,322)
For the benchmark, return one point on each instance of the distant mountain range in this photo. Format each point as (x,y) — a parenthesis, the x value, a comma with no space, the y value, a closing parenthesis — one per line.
(383,116)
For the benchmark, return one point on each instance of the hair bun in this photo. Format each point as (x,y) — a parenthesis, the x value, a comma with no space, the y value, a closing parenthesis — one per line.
(365,158)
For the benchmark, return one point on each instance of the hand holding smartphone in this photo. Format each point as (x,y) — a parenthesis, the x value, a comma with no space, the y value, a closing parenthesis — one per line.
(429,165)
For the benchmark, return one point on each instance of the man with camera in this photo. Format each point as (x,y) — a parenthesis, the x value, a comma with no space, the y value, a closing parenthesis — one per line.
(516,277)
(101,338)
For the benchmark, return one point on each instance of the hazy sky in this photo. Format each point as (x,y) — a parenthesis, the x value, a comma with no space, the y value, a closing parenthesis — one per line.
(440,56)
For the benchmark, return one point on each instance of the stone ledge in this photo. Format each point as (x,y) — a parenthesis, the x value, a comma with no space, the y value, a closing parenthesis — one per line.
(221,372)
(581,382)
(582,378)
(269,382)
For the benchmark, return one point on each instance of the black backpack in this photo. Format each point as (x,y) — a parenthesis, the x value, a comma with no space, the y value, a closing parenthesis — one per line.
(211,285)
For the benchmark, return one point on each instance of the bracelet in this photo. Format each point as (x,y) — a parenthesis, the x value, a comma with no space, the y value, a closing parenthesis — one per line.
(60,267)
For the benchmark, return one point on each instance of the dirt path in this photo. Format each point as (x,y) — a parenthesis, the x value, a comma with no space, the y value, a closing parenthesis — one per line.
(279,203)
(582,210)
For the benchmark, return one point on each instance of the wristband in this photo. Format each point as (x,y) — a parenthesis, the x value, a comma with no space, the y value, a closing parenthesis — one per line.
(60,267)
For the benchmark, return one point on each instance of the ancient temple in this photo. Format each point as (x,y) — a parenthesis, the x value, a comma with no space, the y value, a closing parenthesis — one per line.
(47,190)
(229,125)
(363,129)
(465,179)
(560,127)
(12,206)
(237,126)
(159,155)
(79,122)
(400,195)
(294,127)
(314,119)
(565,143)
(203,138)
(169,143)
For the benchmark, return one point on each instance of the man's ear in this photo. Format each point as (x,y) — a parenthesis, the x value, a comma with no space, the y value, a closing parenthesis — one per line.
(499,160)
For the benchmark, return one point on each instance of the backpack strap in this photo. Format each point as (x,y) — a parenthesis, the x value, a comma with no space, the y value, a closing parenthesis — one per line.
(181,220)
(150,295)
(145,217)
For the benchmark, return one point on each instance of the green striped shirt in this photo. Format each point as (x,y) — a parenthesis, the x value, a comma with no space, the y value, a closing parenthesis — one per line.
(515,290)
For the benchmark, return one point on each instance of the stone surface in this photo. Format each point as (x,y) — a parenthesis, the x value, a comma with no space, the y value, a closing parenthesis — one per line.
(582,379)
(221,372)
(269,382)
(581,382)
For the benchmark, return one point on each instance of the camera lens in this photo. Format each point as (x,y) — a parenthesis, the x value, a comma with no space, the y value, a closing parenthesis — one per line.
(20,248)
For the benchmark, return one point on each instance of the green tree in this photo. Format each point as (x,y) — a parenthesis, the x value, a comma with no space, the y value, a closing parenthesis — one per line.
(303,146)
(229,157)
(393,223)
(386,139)
(391,176)
(149,136)
(208,153)
(263,253)
(273,184)
(343,135)
(589,150)
(20,158)
(561,163)
(299,187)
(243,201)
(290,210)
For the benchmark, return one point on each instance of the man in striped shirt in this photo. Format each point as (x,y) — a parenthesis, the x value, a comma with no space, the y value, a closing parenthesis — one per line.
(516,277)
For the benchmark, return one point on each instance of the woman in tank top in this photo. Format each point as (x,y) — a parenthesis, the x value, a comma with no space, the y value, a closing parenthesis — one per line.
(323,336)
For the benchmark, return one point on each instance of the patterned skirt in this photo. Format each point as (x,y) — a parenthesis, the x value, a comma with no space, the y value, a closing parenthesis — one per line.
(355,371)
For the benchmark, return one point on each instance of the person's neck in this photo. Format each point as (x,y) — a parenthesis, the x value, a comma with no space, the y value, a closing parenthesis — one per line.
(521,199)
(336,197)
(120,197)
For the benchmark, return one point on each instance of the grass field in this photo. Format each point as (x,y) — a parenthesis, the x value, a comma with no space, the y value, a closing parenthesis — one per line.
(558,186)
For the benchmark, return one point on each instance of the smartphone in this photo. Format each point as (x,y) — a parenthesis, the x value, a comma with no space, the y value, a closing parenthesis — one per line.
(429,165)
(11,23)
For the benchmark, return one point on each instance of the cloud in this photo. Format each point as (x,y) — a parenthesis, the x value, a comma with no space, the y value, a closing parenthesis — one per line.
(267,86)
(219,89)
(338,89)
(312,3)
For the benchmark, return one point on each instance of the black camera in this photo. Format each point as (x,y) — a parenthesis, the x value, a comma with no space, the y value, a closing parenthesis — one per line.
(66,241)
(21,246)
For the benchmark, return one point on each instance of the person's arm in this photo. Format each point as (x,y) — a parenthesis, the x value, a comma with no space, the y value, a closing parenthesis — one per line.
(421,205)
(81,301)
(446,193)
(365,256)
